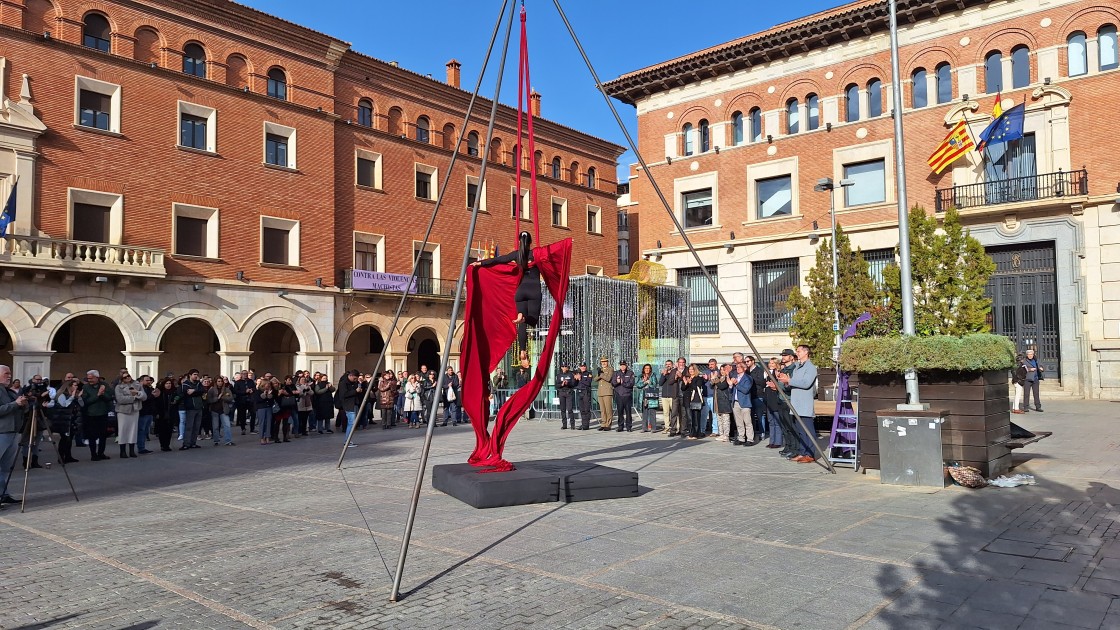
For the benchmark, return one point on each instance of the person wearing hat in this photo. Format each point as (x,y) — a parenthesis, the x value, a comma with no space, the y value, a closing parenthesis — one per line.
(623,382)
(606,393)
(583,391)
(785,417)
(565,391)
(802,384)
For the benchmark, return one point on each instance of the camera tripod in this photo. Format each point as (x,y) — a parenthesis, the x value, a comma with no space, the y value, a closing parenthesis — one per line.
(36,416)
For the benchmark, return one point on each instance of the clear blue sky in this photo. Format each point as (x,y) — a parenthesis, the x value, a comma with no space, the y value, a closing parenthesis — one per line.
(618,35)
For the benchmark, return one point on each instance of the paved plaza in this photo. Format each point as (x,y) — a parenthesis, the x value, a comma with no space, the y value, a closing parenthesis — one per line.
(721,537)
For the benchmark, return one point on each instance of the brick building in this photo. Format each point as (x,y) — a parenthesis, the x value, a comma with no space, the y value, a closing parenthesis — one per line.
(196,180)
(739,134)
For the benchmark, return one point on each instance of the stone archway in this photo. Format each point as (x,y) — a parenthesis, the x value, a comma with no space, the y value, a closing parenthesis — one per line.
(190,343)
(88,342)
(7,344)
(274,347)
(363,347)
(423,349)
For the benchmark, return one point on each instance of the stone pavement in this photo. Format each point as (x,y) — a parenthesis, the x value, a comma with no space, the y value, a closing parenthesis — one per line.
(722,537)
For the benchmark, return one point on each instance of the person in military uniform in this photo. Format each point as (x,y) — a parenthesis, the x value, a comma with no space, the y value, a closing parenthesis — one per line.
(623,382)
(606,393)
(583,391)
(565,391)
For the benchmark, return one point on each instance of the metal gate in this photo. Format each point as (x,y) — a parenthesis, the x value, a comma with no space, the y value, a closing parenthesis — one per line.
(1025,301)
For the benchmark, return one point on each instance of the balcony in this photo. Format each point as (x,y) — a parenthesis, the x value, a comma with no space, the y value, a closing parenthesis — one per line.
(1014,190)
(40,253)
(392,283)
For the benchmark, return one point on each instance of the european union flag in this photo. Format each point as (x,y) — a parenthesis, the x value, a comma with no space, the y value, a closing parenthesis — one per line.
(9,213)
(1008,127)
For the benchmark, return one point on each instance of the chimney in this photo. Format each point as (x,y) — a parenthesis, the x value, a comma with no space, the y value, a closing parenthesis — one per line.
(453,73)
(535,103)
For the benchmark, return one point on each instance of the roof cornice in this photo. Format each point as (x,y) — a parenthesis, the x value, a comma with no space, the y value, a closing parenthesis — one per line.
(815,32)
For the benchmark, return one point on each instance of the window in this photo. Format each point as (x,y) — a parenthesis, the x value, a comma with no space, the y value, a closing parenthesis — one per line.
(91,223)
(427,267)
(918,96)
(1009,171)
(98,104)
(736,128)
(93,109)
(591,177)
(367,168)
(1077,56)
(195,231)
(851,103)
(279,241)
(369,253)
(426,184)
(944,83)
(95,217)
(697,206)
(279,145)
(704,314)
(1020,67)
(772,283)
(423,127)
(775,196)
(197,127)
(594,220)
(705,137)
(522,202)
(874,98)
(993,72)
(793,116)
(95,32)
(686,131)
(559,212)
(194,60)
(877,261)
(813,104)
(474,189)
(556,168)
(1108,55)
(365,113)
(756,124)
(472,144)
(870,183)
(278,84)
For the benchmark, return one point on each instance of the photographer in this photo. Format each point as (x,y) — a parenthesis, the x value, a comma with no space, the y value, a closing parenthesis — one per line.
(12,407)
(68,413)
(40,396)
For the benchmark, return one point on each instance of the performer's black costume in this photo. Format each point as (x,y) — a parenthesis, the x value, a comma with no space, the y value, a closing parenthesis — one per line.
(528,296)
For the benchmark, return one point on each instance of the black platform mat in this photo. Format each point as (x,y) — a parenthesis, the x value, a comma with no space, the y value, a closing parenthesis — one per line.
(539,481)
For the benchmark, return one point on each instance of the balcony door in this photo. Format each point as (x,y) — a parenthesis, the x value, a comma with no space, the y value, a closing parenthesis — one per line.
(1011,171)
(1025,301)
(424,270)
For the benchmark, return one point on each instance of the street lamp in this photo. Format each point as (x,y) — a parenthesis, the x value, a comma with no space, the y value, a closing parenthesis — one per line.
(826,184)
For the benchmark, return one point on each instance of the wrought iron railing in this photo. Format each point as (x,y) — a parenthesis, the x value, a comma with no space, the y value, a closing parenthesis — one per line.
(37,252)
(1014,190)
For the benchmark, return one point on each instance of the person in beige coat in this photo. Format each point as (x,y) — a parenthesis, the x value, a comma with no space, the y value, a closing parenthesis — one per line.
(606,393)
(129,396)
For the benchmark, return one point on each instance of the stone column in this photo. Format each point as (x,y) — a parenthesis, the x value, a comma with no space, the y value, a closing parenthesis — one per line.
(28,363)
(316,361)
(233,362)
(142,362)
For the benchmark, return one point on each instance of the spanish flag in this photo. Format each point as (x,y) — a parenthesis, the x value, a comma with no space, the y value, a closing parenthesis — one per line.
(956,144)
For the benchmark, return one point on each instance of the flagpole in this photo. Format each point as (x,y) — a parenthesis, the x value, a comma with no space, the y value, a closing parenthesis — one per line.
(913,402)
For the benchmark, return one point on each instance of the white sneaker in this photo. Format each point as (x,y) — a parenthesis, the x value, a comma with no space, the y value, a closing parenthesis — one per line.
(351,445)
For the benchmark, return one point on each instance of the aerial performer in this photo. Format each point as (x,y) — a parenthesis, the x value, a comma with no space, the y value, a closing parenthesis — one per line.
(527,299)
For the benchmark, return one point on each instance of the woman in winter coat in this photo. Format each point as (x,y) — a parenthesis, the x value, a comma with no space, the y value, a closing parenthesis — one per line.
(412,402)
(220,402)
(386,398)
(68,410)
(129,396)
(1018,379)
(323,401)
(303,405)
(167,411)
(263,398)
(649,393)
(692,391)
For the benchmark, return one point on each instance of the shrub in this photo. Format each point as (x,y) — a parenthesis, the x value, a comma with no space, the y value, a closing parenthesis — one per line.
(980,352)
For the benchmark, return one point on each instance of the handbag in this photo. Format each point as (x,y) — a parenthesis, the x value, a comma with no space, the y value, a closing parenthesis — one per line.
(450,394)
(275,407)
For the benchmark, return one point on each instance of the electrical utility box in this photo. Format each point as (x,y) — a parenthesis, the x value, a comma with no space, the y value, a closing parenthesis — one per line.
(910,448)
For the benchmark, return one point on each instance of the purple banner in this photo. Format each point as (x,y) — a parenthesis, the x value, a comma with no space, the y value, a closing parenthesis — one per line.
(376,281)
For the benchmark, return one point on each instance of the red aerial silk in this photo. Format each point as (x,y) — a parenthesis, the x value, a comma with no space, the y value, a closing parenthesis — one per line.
(489,331)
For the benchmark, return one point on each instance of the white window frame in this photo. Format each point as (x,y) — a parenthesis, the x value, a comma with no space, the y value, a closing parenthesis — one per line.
(363,154)
(369,238)
(211,116)
(114,201)
(292,226)
(563,212)
(210,215)
(112,90)
(434,249)
(881,150)
(691,183)
(471,179)
(433,190)
(598,220)
(768,170)
(278,130)
(526,211)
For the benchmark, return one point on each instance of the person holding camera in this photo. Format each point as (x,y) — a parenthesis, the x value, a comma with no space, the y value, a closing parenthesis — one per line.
(40,396)
(67,414)
(130,397)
